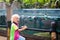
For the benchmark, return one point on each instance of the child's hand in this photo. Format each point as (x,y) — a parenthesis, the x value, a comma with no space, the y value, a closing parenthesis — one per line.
(24,27)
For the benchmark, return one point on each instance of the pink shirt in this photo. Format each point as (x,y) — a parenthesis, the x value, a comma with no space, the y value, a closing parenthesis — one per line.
(16,33)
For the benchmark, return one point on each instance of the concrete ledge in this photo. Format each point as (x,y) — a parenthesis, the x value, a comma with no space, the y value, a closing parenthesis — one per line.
(33,37)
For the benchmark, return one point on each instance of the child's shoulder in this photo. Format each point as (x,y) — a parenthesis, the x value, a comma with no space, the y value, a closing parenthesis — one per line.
(13,24)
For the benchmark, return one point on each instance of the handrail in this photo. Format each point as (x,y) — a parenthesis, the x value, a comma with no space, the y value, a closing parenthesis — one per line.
(33,29)
(41,30)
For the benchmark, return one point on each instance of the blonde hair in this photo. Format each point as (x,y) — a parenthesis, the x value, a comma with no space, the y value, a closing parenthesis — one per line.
(14,15)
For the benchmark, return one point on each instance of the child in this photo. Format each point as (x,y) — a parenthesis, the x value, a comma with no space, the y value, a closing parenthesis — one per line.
(14,34)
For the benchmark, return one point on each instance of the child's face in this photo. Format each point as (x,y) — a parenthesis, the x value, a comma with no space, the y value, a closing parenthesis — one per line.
(16,19)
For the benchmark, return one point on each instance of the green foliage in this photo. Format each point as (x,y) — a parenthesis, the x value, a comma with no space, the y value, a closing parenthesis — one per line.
(8,2)
(39,3)
(1,0)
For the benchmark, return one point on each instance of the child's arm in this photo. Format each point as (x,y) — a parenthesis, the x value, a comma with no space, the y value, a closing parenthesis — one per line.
(23,28)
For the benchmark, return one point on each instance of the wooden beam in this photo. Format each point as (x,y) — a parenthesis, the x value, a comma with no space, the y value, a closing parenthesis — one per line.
(53,36)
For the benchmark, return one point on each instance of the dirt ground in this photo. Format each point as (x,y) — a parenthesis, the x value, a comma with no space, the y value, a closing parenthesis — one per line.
(3,38)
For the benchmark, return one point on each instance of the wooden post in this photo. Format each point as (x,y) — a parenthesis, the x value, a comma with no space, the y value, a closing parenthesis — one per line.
(53,33)
(9,13)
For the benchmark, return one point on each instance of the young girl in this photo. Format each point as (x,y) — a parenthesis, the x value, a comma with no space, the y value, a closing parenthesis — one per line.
(14,34)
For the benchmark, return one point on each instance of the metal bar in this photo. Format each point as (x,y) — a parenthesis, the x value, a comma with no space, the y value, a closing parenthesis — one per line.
(3,26)
(41,30)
